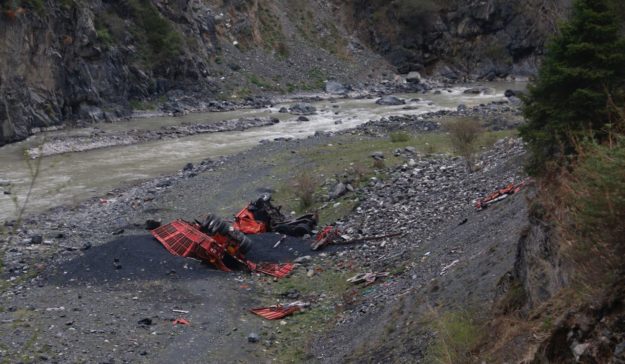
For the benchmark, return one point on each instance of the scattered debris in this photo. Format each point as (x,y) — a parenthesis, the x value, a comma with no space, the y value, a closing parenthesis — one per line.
(499,195)
(369,278)
(445,268)
(181,321)
(279,241)
(280,311)
(180,311)
(145,322)
(331,235)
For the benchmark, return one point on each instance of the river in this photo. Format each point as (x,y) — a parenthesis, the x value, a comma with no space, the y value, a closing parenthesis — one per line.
(68,179)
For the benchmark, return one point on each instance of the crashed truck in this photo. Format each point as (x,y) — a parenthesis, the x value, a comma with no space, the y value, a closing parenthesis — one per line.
(213,239)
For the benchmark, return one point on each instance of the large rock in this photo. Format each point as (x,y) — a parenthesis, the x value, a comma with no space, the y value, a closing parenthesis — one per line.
(479,90)
(413,77)
(336,88)
(390,100)
(302,108)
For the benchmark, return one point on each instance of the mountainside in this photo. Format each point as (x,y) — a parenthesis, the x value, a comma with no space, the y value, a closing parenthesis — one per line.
(458,39)
(97,60)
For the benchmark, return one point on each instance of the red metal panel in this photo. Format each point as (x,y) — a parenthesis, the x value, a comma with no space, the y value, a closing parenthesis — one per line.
(275,313)
(275,270)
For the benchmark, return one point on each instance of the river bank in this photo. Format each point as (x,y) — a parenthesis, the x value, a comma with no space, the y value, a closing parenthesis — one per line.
(72,177)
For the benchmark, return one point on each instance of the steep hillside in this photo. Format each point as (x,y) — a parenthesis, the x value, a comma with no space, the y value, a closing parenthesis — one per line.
(458,39)
(97,60)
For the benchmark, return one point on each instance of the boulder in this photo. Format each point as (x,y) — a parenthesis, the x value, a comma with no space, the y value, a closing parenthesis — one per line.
(478,91)
(339,190)
(303,118)
(390,100)
(335,88)
(413,77)
(377,155)
(509,93)
(302,108)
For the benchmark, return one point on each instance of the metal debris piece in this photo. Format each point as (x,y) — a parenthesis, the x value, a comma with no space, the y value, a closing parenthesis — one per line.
(181,321)
(369,278)
(499,195)
(280,311)
(273,269)
(331,235)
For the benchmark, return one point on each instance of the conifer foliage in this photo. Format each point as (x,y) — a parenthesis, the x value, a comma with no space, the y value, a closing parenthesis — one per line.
(584,65)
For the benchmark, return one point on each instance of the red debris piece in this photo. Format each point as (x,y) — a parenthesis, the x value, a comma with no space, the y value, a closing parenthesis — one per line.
(325,237)
(275,270)
(275,313)
(185,240)
(499,195)
(181,321)
(245,222)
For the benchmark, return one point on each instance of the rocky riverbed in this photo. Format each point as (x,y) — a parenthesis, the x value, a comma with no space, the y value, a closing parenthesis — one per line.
(94,138)
(421,197)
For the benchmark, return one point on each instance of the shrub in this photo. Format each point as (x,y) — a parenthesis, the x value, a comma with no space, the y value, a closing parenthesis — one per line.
(583,64)
(305,185)
(399,137)
(160,40)
(463,135)
(591,211)
(379,164)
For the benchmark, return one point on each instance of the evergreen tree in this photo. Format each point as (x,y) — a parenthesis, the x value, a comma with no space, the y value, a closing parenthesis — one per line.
(583,65)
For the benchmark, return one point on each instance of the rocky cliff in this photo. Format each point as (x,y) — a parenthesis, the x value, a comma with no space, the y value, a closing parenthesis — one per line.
(457,39)
(99,59)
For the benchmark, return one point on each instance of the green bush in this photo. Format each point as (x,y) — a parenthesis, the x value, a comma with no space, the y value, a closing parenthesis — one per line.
(592,211)
(305,185)
(464,135)
(160,41)
(583,65)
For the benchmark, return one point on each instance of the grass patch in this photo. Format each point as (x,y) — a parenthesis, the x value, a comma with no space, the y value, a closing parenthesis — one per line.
(294,338)
(350,155)
(260,82)
(399,137)
(457,335)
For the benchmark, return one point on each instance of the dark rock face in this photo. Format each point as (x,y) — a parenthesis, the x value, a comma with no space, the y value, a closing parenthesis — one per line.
(65,63)
(461,40)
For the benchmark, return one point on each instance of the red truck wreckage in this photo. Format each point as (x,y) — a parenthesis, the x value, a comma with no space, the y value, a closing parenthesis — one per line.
(213,239)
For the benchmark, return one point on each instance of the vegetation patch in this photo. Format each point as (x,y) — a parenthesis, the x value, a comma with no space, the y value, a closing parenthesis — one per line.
(158,40)
(325,289)
(457,334)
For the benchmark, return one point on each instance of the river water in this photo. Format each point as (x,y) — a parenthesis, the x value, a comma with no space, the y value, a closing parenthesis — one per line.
(70,178)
